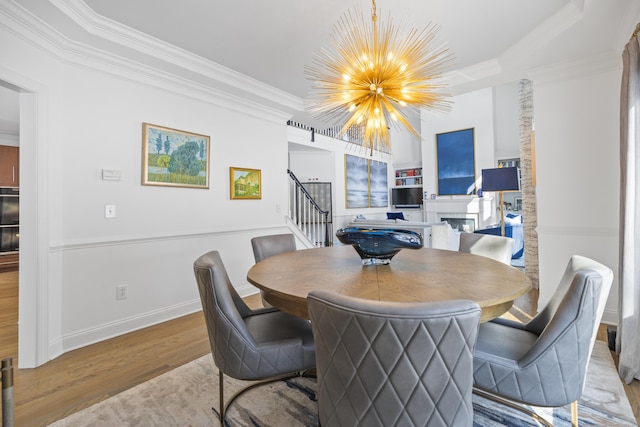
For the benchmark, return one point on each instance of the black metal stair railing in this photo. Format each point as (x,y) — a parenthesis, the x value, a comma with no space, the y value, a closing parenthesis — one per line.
(307,215)
(354,135)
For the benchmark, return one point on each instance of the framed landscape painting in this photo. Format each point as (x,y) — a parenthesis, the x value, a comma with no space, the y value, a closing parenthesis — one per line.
(456,162)
(174,158)
(245,183)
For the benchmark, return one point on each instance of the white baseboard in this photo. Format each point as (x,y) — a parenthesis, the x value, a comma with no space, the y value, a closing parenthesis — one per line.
(122,326)
(610,317)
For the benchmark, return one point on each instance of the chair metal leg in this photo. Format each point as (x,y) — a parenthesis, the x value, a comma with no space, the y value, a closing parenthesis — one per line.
(221,385)
(225,407)
(574,414)
(7,393)
(524,409)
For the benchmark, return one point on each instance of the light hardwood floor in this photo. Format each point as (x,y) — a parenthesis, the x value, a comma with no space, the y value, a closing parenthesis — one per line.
(88,375)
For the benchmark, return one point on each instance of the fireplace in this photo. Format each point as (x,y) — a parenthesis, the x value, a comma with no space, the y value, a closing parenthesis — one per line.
(461,224)
(474,213)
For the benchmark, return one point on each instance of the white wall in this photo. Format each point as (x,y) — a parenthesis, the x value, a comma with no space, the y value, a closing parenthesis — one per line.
(576,115)
(405,147)
(89,117)
(311,166)
(471,110)
(9,116)
(506,118)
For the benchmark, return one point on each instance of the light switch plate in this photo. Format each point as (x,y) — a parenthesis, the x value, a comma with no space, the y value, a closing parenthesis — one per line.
(111,175)
(109,211)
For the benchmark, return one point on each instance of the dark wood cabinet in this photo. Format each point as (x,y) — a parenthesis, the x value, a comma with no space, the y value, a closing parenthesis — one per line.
(9,261)
(9,166)
(9,206)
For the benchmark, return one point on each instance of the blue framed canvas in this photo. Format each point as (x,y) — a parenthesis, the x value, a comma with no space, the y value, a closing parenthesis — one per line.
(456,162)
(366,183)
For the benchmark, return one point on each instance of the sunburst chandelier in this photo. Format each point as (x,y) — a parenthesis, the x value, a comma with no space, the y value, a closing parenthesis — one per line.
(369,78)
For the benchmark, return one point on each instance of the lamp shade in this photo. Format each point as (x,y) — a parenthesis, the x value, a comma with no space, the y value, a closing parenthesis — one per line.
(501,179)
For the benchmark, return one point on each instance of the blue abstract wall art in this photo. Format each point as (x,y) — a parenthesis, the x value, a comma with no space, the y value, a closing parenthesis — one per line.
(456,162)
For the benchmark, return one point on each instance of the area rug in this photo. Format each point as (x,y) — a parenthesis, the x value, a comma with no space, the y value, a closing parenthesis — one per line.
(188,396)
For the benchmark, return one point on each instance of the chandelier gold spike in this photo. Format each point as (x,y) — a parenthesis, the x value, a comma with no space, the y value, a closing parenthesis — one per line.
(372,76)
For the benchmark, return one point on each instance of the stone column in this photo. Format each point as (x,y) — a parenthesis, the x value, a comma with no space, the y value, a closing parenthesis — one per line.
(527,171)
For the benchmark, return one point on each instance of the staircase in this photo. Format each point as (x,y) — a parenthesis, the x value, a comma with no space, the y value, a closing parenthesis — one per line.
(307,215)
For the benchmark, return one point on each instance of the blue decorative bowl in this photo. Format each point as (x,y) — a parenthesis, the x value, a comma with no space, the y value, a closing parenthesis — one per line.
(377,247)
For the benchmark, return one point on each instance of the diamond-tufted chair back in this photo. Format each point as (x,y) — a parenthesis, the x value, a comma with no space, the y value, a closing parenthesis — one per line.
(386,364)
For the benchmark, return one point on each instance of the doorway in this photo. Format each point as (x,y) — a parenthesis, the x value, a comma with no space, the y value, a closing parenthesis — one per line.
(9,220)
(30,112)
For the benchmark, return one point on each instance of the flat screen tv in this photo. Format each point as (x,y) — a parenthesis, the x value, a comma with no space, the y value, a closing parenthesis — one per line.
(501,179)
(406,197)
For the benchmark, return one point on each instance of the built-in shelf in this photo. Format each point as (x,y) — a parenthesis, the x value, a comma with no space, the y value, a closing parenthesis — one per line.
(509,163)
(512,199)
(409,177)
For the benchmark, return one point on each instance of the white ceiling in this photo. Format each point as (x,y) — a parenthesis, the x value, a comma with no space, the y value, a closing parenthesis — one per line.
(272,41)
(493,40)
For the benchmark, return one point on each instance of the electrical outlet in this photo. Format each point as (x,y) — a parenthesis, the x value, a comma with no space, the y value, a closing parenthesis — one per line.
(122,291)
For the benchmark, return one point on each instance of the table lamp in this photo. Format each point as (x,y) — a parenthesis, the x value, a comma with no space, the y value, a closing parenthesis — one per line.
(501,179)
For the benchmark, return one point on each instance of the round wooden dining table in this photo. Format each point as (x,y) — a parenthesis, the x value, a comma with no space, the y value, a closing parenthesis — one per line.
(414,275)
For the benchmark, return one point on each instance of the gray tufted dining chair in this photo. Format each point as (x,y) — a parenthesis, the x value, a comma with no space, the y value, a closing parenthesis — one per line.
(388,364)
(267,246)
(264,344)
(499,248)
(544,362)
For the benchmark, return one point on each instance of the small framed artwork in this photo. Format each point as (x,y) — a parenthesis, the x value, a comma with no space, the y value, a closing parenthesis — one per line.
(456,162)
(174,158)
(245,183)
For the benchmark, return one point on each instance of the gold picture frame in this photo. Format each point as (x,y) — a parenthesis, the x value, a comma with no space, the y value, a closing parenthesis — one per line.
(174,158)
(245,183)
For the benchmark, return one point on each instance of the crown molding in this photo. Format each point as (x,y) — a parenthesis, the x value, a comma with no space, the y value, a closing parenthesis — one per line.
(122,35)
(473,73)
(41,35)
(581,67)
